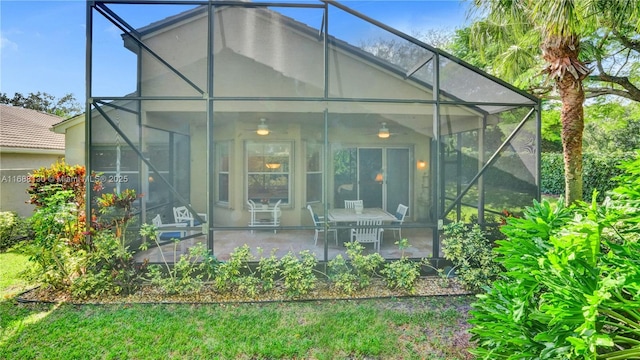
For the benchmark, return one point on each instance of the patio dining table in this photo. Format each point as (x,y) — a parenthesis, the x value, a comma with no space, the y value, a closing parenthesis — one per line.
(349,215)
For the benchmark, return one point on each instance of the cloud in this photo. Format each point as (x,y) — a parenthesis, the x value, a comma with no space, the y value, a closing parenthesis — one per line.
(6,44)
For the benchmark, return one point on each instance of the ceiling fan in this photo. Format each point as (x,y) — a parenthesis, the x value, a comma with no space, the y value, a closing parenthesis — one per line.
(263,128)
(385,133)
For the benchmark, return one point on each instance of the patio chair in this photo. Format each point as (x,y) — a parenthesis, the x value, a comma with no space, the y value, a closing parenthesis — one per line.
(401,212)
(368,231)
(164,235)
(181,214)
(318,222)
(351,204)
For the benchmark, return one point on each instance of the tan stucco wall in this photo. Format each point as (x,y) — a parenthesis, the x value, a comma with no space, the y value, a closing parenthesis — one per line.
(74,145)
(14,169)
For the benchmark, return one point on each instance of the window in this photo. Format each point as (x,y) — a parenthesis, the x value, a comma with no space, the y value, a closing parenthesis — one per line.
(222,166)
(314,172)
(117,166)
(268,171)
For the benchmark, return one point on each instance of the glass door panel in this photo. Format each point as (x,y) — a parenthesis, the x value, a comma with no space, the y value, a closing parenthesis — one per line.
(397,179)
(370,177)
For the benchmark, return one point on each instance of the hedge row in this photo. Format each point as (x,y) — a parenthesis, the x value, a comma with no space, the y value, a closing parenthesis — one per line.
(597,173)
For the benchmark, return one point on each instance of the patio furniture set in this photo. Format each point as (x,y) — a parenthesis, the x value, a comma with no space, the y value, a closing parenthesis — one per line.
(367,222)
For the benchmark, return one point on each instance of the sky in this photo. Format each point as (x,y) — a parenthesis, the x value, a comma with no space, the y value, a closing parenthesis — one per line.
(42,43)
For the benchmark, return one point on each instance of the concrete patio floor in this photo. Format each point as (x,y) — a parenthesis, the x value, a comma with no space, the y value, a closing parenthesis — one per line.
(420,241)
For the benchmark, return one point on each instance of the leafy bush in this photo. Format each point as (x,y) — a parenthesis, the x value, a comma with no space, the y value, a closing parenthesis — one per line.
(13,228)
(268,268)
(357,275)
(598,173)
(55,225)
(185,276)
(62,256)
(63,176)
(403,273)
(568,291)
(236,274)
(109,266)
(298,274)
(471,253)
(46,182)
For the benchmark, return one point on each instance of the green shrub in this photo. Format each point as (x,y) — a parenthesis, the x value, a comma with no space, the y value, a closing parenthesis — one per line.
(268,268)
(598,173)
(236,274)
(185,276)
(402,274)
(13,228)
(298,274)
(356,275)
(108,264)
(471,253)
(55,223)
(568,291)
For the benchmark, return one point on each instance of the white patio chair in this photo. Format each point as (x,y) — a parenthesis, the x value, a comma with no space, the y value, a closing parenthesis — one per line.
(401,212)
(275,216)
(318,222)
(370,232)
(164,235)
(181,214)
(351,204)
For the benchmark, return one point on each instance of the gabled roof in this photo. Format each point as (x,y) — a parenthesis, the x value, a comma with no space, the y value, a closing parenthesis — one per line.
(28,129)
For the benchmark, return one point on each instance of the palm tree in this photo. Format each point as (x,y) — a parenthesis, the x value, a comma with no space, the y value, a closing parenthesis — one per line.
(526,33)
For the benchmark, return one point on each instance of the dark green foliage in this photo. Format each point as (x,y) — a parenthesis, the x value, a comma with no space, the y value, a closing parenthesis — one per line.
(471,253)
(41,101)
(298,276)
(403,273)
(357,274)
(598,173)
(13,229)
(571,284)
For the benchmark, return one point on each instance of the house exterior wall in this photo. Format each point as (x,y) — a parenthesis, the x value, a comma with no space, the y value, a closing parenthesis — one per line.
(74,141)
(14,171)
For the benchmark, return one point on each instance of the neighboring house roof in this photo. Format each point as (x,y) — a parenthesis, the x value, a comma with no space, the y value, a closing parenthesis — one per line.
(22,128)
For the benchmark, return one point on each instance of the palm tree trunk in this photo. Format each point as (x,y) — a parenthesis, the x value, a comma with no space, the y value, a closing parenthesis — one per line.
(572,119)
(561,54)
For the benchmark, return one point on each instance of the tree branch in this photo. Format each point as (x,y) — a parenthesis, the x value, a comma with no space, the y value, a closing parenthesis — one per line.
(591,92)
(633,92)
(627,42)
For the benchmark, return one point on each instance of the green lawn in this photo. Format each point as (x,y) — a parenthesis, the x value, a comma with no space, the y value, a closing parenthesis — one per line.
(420,328)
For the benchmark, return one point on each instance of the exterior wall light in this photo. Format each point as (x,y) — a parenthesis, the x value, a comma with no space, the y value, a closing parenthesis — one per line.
(421,164)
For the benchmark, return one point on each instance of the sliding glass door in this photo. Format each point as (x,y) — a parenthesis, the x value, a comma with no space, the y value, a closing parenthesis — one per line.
(380,177)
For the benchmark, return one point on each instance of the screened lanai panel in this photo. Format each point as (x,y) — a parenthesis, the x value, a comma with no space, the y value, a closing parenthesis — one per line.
(113,67)
(262,52)
(512,179)
(458,82)
(113,126)
(173,51)
(366,61)
(176,174)
(462,160)
(379,153)
(269,164)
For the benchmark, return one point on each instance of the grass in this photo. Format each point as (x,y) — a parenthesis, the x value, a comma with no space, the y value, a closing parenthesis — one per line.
(420,328)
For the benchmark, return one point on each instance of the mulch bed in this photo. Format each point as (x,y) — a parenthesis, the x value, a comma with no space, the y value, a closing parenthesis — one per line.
(426,286)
